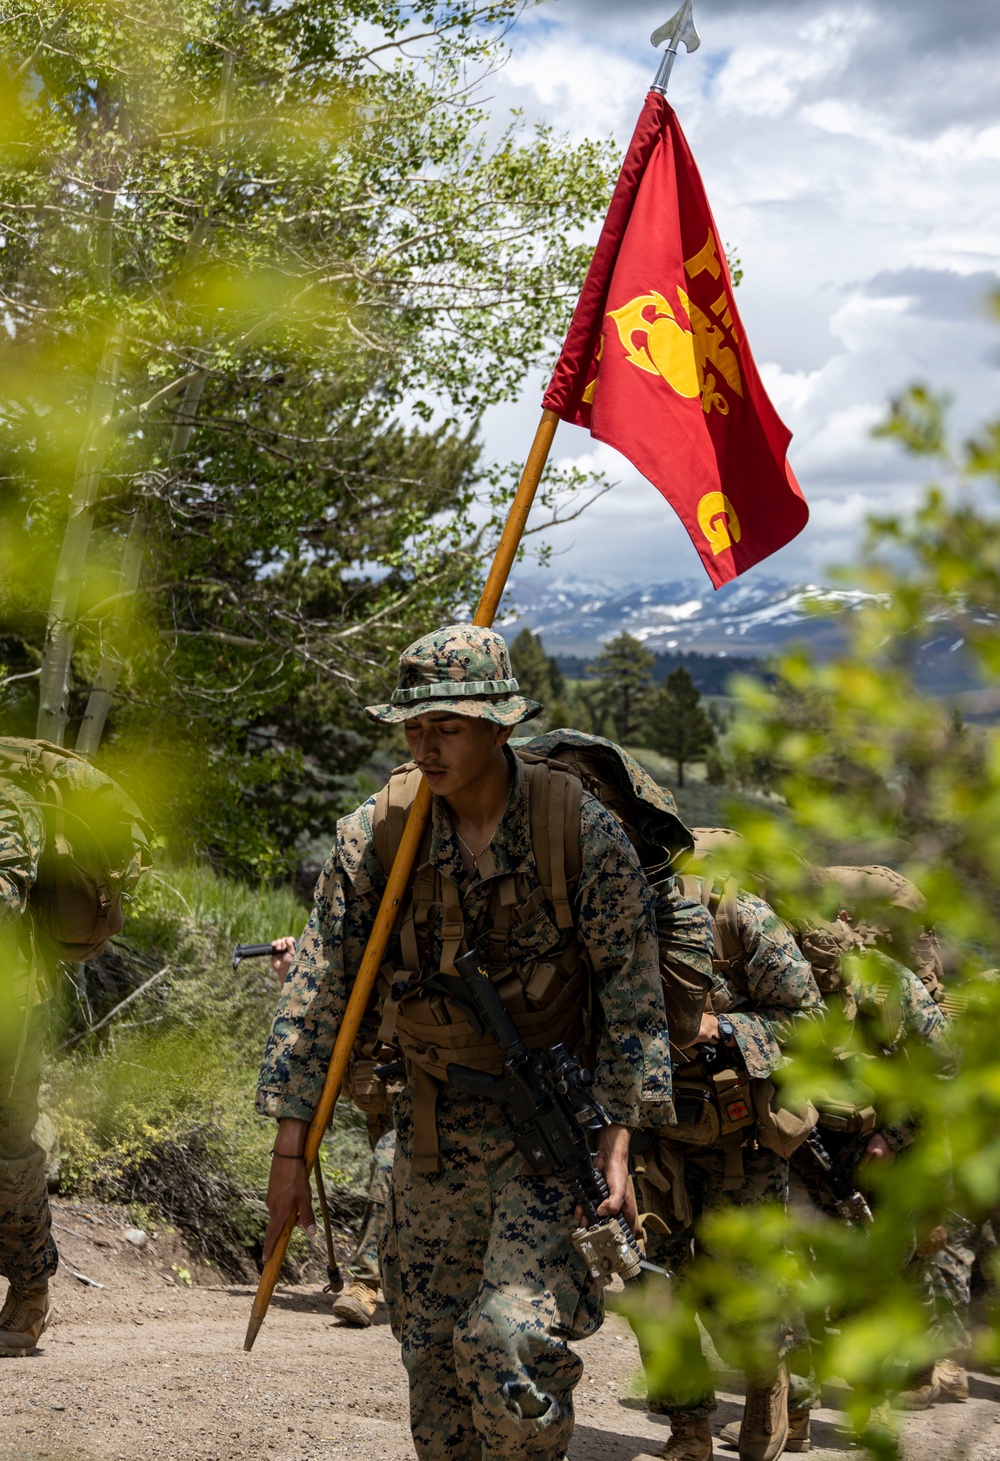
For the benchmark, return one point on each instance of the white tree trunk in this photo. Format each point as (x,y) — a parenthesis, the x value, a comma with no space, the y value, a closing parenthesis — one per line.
(60,633)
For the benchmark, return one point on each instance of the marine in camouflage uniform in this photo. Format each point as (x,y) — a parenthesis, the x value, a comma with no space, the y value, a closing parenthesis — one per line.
(482,1284)
(763,986)
(893,1009)
(28,1256)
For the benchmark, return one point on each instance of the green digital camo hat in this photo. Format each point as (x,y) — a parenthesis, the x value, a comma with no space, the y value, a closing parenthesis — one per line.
(462,670)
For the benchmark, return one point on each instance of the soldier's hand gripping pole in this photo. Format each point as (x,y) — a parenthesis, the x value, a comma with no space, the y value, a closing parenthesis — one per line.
(402,867)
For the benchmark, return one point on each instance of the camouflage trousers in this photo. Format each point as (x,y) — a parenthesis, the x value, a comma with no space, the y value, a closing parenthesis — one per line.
(365,1265)
(27,1251)
(483,1289)
(765,1179)
(944,1280)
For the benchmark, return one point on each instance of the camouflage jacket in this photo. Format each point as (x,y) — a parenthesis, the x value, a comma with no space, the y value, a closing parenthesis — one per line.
(910,1019)
(21,842)
(613,907)
(766,984)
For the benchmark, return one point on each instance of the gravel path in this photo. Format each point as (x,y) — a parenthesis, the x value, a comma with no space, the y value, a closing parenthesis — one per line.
(151,1367)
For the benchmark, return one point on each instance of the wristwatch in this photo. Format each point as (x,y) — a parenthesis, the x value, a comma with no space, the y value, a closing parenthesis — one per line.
(727,1030)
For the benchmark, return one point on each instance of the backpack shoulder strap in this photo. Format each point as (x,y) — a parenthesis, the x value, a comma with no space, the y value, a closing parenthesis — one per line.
(555,797)
(727,921)
(392,809)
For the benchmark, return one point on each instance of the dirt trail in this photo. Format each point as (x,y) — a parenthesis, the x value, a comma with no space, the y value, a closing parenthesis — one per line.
(149,1367)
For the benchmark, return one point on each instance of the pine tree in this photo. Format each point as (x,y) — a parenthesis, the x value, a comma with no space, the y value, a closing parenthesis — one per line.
(531,667)
(678,724)
(626,672)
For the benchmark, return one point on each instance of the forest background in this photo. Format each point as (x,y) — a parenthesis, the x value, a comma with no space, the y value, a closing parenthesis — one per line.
(264,266)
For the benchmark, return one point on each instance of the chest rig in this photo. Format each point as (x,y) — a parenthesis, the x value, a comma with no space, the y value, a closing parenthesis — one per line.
(721,1105)
(526,937)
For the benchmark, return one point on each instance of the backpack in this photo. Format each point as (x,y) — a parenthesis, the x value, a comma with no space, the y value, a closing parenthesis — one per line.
(96,847)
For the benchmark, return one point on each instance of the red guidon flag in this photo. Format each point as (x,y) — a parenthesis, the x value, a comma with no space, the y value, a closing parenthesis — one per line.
(656,362)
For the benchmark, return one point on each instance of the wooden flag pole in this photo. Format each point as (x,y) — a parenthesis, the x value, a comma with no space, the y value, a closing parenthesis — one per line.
(402,867)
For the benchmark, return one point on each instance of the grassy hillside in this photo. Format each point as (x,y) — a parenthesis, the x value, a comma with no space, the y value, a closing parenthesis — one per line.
(156,1108)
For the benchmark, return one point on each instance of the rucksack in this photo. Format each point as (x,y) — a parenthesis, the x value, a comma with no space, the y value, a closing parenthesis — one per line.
(96,846)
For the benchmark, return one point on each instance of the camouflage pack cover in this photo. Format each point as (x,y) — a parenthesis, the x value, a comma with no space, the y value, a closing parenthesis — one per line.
(646,810)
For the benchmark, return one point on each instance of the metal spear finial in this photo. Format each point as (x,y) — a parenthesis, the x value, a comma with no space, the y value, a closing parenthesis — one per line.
(680,28)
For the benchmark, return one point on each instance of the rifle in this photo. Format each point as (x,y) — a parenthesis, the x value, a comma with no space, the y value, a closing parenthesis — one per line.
(814,1161)
(546,1101)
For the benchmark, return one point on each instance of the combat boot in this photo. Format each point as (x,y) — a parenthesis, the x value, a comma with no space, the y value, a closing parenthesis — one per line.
(951,1379)
(799,1438)
(26,1313)
(357,1304)
(690,1438)
(765,1418)
(921,1393)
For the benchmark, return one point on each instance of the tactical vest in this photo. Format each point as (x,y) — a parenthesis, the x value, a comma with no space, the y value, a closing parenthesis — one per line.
(544,977)
(720,1106)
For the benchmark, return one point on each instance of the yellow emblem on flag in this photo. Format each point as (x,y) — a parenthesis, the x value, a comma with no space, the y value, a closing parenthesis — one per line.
(695,358)
(718,521)
(668,349)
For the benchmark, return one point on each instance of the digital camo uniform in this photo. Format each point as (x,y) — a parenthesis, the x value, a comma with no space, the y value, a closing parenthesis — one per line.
(481,1282)
(763,985)
(27,1251)
(365,1264)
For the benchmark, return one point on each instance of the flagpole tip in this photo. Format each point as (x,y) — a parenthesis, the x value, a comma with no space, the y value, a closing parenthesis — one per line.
(679,30)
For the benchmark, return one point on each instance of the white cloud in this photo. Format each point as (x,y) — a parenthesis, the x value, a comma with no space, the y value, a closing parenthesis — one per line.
(856,169)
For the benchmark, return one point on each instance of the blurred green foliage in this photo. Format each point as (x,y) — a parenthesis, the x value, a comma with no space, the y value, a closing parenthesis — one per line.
(264,264)
(155,1110)
(870,770)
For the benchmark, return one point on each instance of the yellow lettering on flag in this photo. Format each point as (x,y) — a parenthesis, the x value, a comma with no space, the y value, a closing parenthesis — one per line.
(718,521)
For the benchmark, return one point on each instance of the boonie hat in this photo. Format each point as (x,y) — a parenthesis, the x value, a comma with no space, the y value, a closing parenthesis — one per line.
(459,670)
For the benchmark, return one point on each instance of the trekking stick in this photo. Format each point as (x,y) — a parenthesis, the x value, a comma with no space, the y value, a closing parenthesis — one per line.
(402,867)
(334,1277)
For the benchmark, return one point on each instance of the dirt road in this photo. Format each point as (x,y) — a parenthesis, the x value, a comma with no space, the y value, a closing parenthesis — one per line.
(152,1367)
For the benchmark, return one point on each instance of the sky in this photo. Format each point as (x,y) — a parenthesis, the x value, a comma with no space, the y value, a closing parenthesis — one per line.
(851,154)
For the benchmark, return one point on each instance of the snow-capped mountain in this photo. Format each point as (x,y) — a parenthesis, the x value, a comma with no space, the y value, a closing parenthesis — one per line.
(759,617)
(742,620)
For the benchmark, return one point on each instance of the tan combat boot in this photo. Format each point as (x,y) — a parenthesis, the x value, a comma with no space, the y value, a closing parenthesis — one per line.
(765,1418)
(690,1439)
(26,1313)
(799,1438)
(921,1393)
(951,1379)
(357,1304)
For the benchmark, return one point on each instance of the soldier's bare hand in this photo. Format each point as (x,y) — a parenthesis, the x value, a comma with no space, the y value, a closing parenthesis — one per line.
(288,1188)
(282,954)
(611,1158)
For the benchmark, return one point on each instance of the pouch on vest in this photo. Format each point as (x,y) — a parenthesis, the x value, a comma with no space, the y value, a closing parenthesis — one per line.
(779,1128)
(710,1106)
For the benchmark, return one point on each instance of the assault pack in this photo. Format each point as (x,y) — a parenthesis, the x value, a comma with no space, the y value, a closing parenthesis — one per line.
(549,995)
(96,846)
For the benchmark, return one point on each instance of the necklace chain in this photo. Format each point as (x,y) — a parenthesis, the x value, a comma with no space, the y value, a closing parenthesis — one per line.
(475,855)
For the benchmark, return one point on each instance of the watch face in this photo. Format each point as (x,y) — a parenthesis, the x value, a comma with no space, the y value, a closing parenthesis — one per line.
(726,1029)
